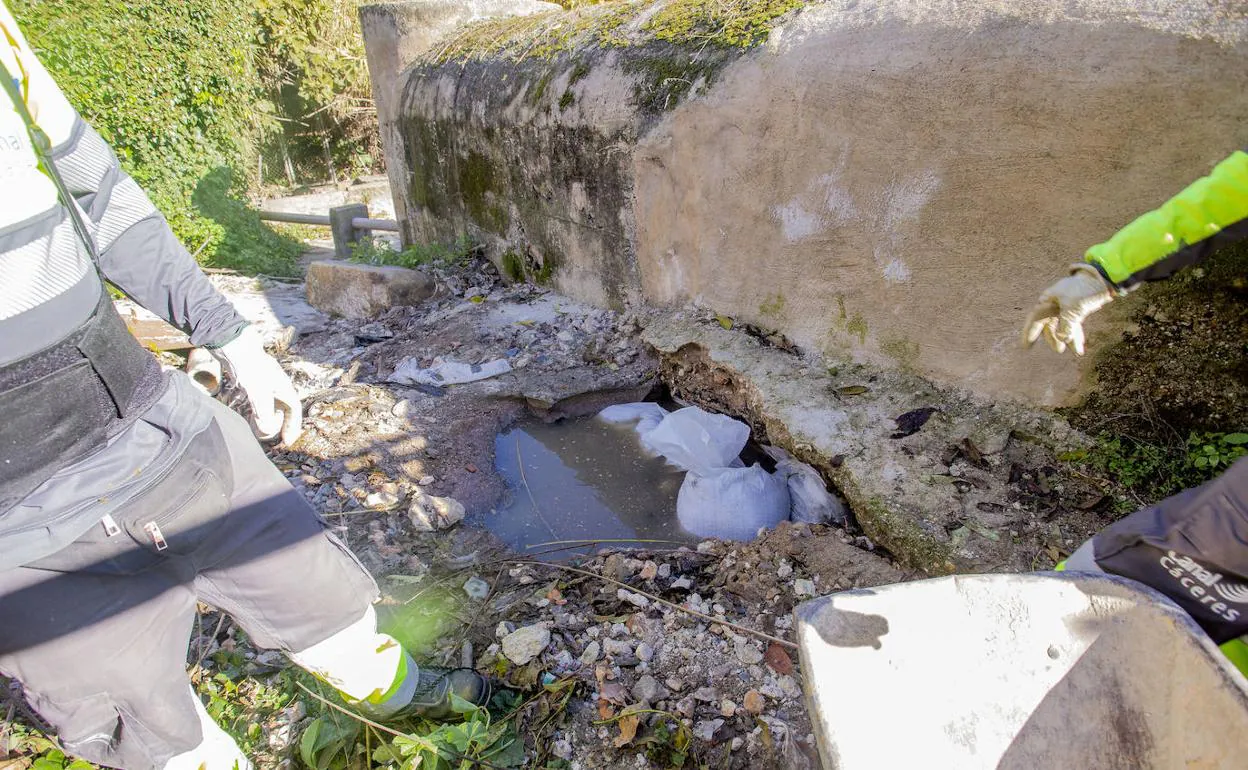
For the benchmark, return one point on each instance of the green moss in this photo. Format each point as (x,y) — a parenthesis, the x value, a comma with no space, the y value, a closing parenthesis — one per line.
(773,306)
(477,187)
(545,272)
(543,35)
(513,266)
(539,90)
(901,350)
(567,100)
(840,306)
(725,23)
(899,533)
(668,74)
(857,326)
(579,72)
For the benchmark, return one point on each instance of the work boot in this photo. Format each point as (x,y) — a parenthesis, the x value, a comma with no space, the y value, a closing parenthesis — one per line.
(432,696)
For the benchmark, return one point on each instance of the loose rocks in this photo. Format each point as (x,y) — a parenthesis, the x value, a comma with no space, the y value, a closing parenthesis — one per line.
(525,644)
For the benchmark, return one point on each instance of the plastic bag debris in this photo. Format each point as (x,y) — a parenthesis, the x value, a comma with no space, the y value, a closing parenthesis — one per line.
(810,500)
(732,503)
(698,441)
(446,372)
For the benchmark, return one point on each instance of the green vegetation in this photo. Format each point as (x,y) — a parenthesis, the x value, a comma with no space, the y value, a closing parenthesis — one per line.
(194,96)
(728,24)
(1145,472)
(725,23)
(376,251)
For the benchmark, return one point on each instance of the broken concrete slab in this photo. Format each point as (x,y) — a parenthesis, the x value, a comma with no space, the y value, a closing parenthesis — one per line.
(1017,671)
(931,511)
(363,291)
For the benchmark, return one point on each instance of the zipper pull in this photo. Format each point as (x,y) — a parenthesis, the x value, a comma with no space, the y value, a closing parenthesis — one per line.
(153,531)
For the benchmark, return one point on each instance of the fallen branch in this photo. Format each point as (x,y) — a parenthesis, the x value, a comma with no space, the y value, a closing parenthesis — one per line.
(673,605)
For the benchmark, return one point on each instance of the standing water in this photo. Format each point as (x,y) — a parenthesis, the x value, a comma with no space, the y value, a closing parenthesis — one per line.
(583,479)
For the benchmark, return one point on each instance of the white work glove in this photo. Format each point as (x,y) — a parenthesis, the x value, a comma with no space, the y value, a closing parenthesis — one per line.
(275,406)
(1063,306)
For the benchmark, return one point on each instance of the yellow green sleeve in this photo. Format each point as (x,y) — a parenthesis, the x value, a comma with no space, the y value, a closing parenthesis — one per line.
(1210,213)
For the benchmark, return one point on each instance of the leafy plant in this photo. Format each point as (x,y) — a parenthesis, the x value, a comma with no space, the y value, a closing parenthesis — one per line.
(1152,471)
(377,251)
(1216,450)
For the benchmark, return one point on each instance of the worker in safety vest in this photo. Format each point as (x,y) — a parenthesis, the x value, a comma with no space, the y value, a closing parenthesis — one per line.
(127,495)
(1192,547)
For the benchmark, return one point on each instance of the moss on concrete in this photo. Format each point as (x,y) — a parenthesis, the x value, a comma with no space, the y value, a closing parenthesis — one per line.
(898,533)
(727,24)
(772,307)
(901,350)
(513,266)
(857,326)
(478,186)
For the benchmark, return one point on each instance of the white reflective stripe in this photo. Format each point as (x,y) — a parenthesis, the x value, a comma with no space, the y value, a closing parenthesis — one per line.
(41,270)
(217,751)
(357,661)
(127,205)
(83,167)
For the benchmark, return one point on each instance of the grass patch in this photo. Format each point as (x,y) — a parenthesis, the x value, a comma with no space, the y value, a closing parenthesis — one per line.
(377,251)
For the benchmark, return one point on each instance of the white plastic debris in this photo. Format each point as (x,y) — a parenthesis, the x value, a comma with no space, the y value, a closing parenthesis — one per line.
(446,371)
(810,499)
(732,503)
(698,441)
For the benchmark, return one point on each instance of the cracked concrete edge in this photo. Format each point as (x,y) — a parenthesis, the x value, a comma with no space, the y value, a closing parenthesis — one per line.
(794,400)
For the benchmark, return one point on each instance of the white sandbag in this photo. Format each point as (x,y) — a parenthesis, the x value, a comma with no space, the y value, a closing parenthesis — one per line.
(641,411)
(647,415)
(811,501)
(698,441)
(732,503)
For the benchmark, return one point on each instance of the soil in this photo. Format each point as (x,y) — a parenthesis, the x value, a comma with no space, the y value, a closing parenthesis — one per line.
(1184,365)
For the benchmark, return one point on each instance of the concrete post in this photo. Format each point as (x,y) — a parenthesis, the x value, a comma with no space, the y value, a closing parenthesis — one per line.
(344,232)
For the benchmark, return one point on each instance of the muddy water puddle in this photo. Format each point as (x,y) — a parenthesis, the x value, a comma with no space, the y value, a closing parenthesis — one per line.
(582,479)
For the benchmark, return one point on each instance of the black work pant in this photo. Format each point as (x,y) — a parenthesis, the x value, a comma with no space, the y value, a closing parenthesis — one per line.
(98,632)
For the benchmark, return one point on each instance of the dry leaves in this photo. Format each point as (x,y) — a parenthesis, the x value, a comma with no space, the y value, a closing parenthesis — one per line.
(628,729)
(778,660)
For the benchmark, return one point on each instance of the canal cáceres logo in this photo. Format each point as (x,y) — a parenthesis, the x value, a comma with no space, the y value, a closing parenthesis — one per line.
(1209,588)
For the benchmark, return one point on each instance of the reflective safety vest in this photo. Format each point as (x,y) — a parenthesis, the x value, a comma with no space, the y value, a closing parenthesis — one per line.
(71,375)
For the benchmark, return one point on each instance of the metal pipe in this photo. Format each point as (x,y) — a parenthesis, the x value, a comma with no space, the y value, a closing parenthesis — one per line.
(364,223)
(296,219)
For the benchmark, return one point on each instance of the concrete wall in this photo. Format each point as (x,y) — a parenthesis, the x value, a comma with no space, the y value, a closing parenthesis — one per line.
(892,181)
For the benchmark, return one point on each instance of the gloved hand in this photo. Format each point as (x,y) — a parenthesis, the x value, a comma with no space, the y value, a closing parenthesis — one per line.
(275,406)
(1063,306)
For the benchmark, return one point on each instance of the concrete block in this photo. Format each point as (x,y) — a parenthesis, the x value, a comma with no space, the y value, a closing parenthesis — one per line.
(1043,670)
(363,291)
(891,181)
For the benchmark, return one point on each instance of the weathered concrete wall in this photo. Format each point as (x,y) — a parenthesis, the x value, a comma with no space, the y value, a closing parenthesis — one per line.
(397,33)
(893,181)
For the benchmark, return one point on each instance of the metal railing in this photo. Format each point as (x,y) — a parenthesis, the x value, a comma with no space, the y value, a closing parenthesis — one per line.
(348,224)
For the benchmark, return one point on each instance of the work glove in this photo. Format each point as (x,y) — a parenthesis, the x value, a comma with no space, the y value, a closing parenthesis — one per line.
(275,407)
(1063,306)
